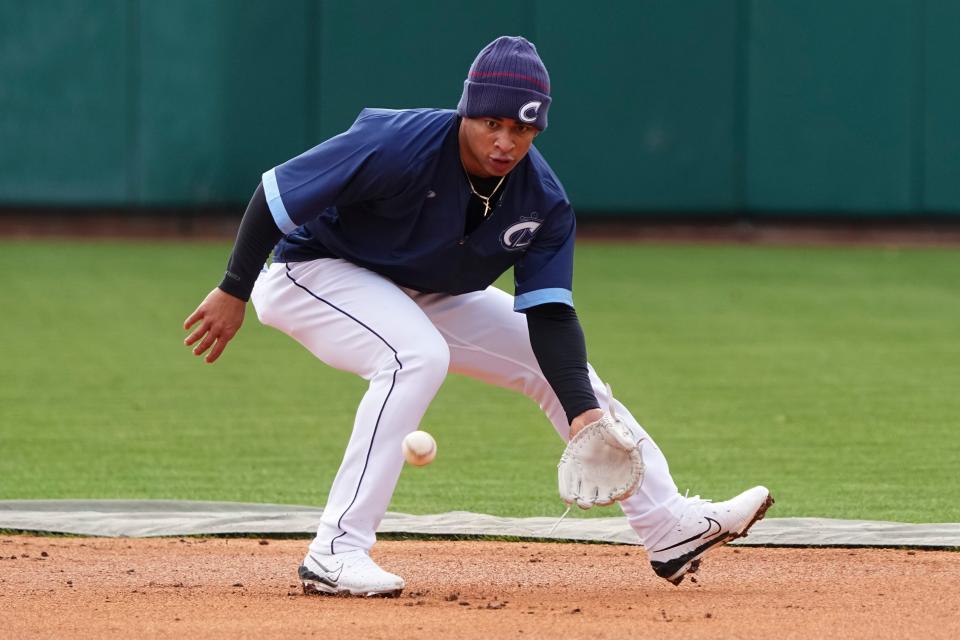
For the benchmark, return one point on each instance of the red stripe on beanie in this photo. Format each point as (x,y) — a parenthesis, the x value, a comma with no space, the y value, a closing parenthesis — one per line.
(478,74)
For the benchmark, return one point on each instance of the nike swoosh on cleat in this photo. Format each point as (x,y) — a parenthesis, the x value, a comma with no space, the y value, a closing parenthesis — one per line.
(333,579)
(308,578)
(671,567)
(704,534)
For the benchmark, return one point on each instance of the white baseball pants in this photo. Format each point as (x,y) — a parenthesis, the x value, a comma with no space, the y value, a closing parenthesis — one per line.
(405,342)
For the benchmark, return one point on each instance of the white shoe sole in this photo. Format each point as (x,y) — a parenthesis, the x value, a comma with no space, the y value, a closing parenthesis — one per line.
(317,588)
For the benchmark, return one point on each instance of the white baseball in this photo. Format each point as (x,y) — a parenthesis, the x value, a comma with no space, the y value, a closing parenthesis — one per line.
(419,448)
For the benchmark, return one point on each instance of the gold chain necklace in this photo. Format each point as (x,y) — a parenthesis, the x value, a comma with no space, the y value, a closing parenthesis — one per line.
(484,199)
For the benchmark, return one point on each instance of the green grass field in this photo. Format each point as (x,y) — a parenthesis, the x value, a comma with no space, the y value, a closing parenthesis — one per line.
(831,375)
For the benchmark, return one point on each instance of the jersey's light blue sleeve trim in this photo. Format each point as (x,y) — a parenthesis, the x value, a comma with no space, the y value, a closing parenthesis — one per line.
(542,296)
(272,191)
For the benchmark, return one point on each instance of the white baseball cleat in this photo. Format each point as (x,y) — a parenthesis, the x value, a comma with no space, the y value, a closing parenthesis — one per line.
(705,526)
(352,573)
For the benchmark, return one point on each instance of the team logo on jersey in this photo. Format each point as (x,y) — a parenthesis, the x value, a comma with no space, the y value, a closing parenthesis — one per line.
(519,235)
(530,111)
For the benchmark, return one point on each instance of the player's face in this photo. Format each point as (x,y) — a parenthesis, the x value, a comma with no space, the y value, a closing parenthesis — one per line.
(493,146)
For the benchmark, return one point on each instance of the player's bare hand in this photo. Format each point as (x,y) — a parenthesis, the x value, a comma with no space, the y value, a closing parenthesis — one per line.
(587,417)
(220,316)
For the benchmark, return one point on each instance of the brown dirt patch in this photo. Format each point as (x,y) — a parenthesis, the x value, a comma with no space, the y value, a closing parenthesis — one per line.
(235,588)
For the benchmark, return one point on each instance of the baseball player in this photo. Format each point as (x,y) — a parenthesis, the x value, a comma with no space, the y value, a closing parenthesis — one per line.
(386,240)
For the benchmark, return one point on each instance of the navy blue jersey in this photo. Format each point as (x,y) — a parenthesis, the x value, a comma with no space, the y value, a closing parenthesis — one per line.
(390,194)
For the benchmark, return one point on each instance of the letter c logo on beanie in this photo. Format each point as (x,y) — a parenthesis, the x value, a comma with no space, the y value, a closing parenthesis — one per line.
(529,111)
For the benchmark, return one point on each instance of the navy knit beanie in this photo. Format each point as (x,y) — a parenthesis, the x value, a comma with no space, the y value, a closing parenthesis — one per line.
(507,80)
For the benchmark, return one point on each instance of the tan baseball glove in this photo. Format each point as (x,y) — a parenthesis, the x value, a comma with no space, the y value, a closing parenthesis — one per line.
(601,464)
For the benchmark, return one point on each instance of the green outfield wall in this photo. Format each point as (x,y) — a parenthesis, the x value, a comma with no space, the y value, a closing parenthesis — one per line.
(807,107)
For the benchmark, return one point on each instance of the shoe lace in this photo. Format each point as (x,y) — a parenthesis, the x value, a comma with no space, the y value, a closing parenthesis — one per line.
(695,500)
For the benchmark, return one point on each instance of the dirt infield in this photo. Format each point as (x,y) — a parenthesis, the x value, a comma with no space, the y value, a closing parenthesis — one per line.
(238,588)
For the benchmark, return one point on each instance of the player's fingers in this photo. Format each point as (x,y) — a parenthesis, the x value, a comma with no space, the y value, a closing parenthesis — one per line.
(218,348)
(205,344)
(192,318)
(196,335)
